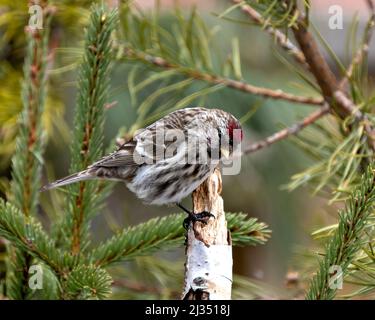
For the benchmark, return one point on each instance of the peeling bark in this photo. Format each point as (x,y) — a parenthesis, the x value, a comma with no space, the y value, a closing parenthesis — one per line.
(208,267)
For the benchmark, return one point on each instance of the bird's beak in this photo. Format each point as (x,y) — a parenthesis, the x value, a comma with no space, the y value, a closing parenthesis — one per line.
(224,152)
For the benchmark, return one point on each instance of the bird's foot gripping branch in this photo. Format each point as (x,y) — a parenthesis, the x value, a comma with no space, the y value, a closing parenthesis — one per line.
(208,268)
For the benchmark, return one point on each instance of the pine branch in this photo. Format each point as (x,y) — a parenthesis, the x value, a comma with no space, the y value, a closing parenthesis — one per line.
(347,239)
(319,68)
(27,235)
(131,53)
(87,282)
(362,52)
(27,160)
(87,143)
(285,133)
(327,81)
(167,232)
(246,231)
(279,36)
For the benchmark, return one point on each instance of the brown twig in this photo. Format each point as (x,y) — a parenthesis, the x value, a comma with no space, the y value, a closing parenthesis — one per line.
(285,133)
(359,116)
(215,79)
(318,66)
(332,90)
(327,81)
(279,36)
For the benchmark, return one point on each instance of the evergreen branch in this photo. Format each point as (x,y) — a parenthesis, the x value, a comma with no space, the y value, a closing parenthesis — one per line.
(339,157)
(167,232)
(89,123)
(246,231)
(327,81)
(318,66)
(27,235)
(323,74)
(285,133)
(131,53)
(351,108)
(88,282)
(279,36)
(362,52)
(27,160)
(277,14)
(347,239)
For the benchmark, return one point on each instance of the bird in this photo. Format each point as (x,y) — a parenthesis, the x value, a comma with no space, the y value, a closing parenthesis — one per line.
(166,161)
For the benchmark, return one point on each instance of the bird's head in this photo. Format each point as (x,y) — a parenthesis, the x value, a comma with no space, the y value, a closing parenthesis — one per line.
(230,133)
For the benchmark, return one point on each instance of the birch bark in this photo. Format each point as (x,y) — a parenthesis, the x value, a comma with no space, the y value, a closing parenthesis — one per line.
(208,266)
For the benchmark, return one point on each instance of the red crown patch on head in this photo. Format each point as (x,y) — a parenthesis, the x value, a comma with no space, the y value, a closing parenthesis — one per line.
(233,126)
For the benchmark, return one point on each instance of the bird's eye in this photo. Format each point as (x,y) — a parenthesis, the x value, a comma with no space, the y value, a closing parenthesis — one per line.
(219,134)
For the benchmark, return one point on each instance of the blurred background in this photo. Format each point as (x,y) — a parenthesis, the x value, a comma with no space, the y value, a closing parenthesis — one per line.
(277,269)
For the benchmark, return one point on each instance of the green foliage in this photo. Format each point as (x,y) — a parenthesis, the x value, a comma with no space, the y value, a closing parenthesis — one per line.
(338,156)
(9,110)
(247,231)
(143,239)
(348,238)
(189,48)
(27,161)
(87,146)
(28,234)
(171,63)
(151,277)
(13,40)
(28,158)
(88,282)
(339,148)
(167,232)
(278,14)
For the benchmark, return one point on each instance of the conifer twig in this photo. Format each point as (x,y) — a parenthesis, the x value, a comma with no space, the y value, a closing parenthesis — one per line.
(346,241)
(215,79)
(27,160)
(167,232)
(279,36)
(285,133)
(89,123)
(323,74)
(27,234)
(362,52)
(327,81)
(26,163)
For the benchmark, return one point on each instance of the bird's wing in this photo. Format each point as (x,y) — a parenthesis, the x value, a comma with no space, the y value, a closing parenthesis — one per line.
(146,146)
(123,156)
(143,148)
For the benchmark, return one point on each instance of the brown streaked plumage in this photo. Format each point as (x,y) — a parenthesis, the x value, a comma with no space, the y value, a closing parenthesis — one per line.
(155,170)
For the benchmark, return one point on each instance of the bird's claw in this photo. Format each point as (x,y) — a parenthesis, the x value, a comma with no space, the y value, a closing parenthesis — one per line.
(203,217)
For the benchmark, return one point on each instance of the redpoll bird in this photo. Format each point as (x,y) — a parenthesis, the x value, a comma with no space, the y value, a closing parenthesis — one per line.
(168,160)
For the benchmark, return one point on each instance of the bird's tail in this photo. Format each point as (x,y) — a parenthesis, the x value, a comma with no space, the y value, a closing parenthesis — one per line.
(75,177)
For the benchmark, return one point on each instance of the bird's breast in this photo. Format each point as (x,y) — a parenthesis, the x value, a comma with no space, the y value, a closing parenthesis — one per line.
(159,184)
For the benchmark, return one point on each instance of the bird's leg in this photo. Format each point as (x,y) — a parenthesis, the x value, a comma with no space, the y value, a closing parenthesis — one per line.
(192,217)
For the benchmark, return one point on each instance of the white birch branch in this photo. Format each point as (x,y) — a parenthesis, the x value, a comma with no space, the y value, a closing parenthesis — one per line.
(208,267)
